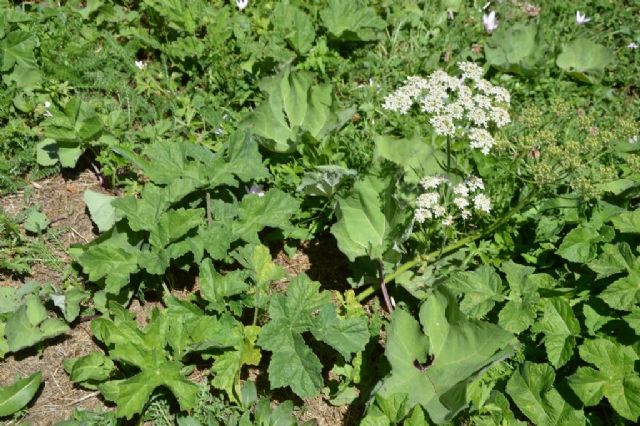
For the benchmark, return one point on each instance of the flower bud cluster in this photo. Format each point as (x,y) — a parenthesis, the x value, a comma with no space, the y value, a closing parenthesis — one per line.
(465,106)
(445,201)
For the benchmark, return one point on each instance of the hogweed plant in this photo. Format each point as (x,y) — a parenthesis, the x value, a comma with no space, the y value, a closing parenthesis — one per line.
(465,107)
(464,112)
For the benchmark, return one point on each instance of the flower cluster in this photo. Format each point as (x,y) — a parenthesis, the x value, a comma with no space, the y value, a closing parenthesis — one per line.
(459,106)
(445,201)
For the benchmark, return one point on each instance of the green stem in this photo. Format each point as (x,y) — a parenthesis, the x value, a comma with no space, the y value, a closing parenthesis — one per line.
(208,206)
(448,154)
(430,257)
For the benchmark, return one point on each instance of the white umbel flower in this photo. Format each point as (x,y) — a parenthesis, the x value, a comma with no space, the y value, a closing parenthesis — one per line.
(432,182)
(481,139)
(461,189)
(465,106)
(428,200)
(461,202)
(140,65)
(482,203)
(474,183)
(242,4)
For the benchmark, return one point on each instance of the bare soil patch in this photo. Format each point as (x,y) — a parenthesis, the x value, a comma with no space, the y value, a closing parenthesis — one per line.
(61,199)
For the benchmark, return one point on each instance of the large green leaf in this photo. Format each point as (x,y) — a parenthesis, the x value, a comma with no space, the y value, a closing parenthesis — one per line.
(31,324)
(227,367)
(89,368)
(295,25)
(580,244)
(519,312)
(132,394)
(274,209)
(435,368)
(72,127)
(585,60)
(14,397)
(416,156)
(615,378)
(103,214)
(156,350)
(113,262)
(614,258)
(370,220)
(305,308)
(214,287)
(560,327)
(531,388)
(623,293)
(173,225)
(352,21)
(628,221)
(294,106)
(516,49)
(482,288)
(17,47)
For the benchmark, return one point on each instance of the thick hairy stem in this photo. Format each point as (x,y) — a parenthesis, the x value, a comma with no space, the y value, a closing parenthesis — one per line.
(430,257)
(383,287)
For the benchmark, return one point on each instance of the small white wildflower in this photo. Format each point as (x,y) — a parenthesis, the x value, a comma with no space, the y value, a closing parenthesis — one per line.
(485,86)
(479,117)
(438,211)
(242,4)
(141,65)
(581,18)
(447,221)
(634,139)
(461,202)
(432,182)
(500,116)
(420,215)
(255,190)
(432,103)
(465,214)
(455,110)
(481,139)
(474,183)
(428,200)
(470,71)
(398,102)
(47,105)
(490,22)
(461,189)
(482,101)
(443,125)
(501,94)
(482,202)
(632,45)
